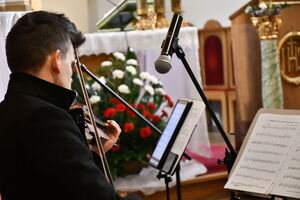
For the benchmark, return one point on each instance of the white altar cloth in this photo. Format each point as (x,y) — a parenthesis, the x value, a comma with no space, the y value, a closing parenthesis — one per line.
(147,45)
(7,20)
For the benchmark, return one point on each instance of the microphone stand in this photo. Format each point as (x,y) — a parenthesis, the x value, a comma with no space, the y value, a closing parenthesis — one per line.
(230,155)
(95,78)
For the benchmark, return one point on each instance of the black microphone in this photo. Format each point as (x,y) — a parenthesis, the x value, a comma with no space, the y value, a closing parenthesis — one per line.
(163,62)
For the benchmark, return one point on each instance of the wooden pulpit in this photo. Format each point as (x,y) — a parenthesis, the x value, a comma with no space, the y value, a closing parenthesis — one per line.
(247,62)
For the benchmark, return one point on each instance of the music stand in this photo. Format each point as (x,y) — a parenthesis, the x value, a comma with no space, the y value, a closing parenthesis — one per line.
(118,17)
(173,142)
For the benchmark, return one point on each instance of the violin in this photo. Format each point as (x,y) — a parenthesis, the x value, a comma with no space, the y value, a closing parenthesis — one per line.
(83,121)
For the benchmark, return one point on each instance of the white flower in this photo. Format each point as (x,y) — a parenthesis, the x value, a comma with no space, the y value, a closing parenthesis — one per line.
(118,74)
(94,99)
(87,86)
(149,89)
(248,9)
(131,69)
(102,79)
(160,91)
(119,56)
(262,5)
(153,79)
(144,75)
(132,62)
(96,86)
(124,89)
(138,81)
(106,64)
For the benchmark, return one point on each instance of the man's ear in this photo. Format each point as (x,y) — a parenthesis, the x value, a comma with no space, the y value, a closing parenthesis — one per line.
(56,61)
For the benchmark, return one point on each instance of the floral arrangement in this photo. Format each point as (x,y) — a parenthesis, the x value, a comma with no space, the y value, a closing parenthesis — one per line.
(142,91)
(265,8)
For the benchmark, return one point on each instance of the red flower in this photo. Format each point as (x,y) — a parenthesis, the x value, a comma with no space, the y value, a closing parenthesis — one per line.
(147,114)
(151,105)
(145,132)
(120,107)
(165,113)
(156,119)
(114,100)
(167,97)
(115,147)
(129,112)
(141,106)
(170,102)
(109,112)
(127,127)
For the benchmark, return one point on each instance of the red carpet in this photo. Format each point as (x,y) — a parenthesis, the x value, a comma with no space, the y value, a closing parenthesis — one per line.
(211,163)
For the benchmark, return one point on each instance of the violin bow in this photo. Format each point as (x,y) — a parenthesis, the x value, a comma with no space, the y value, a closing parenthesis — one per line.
(100,148)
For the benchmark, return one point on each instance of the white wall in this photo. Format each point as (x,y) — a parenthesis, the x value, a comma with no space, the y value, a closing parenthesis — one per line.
(198,12)
(76,10)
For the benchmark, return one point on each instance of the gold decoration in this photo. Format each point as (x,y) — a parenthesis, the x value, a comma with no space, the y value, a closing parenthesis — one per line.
(289,54)
(15,6)
(161,22)
(267,26)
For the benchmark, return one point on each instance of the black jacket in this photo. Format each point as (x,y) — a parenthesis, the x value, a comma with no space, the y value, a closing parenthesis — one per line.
(43,153)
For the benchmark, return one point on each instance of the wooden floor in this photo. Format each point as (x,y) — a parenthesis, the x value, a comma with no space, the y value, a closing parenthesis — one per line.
(205,187)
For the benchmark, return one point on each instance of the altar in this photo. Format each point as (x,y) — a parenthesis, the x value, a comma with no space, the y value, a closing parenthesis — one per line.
(147,45)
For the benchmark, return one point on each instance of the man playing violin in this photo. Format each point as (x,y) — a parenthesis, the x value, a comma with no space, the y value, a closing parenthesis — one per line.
(43,153)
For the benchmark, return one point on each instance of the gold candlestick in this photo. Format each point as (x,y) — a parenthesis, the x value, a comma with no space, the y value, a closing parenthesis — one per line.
(176,6)
(159,8)
(146,19)
(142,8)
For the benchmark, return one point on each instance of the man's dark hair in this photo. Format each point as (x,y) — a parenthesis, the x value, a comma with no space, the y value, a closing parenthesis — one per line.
(35,36)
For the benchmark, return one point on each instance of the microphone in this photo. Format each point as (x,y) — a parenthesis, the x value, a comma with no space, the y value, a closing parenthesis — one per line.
(163,62)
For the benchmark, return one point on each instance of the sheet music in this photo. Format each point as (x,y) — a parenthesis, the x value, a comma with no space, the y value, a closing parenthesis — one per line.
(288,181)
(187,129)
(264,153)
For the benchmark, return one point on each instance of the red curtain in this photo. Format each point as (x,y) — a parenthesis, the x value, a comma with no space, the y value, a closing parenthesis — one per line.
(213,57)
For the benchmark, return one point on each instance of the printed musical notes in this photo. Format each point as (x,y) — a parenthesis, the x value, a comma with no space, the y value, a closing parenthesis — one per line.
(269,160)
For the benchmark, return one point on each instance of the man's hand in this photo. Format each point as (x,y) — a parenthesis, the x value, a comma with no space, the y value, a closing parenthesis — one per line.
(112,130)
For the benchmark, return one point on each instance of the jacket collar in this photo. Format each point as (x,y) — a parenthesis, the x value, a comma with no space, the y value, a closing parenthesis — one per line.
(30,85)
